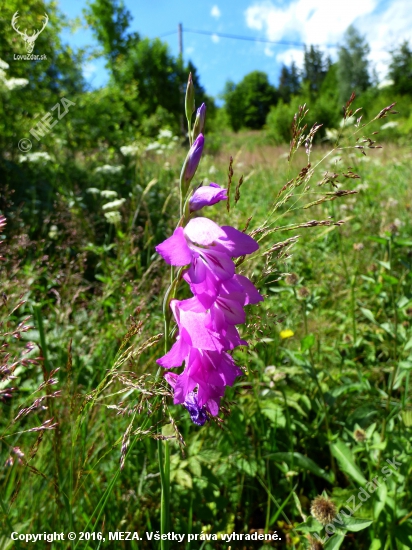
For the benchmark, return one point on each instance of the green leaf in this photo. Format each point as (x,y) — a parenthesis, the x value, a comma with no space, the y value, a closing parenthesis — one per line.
(311,525)
(299,506)
(388,327)
(184,479)
(368,314)
(408,345)
(376,544)
(307,342)
(343,455)
(390,279)
(379,504)
(334,542)
(274,413)
(403,242)
(304,463)
(386,265)
(380,240)
(404,534)
(195,467)
(356,524)
(248,466)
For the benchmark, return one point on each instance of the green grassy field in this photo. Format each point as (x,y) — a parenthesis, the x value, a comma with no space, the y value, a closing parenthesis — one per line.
(325,400)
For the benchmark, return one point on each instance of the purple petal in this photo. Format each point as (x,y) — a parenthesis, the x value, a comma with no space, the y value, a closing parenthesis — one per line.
(203,231)
(192,321)
(218,262)
(252,294)
(176,355)
(206,196)
(231,309)
(184,385)
(237,243)
(197,414)
(174,250)
(193,158)
(171,378)
(207,290)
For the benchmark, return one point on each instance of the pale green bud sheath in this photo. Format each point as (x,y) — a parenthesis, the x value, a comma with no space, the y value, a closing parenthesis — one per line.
(190,105)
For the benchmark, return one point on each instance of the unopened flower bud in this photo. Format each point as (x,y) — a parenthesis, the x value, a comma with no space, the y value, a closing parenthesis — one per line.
(192,162)
(199,125)
(190,98)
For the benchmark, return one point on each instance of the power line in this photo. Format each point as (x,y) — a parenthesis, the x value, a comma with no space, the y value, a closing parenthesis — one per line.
(248,38)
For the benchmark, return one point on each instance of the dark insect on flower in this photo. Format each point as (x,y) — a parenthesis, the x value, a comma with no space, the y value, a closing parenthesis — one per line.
(323,509)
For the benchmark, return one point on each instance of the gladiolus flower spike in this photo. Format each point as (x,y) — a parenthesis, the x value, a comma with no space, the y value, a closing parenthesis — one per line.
(207,321)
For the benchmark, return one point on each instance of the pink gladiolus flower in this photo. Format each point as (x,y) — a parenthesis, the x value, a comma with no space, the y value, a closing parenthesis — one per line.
(207,196)
(193,159)
(207,321)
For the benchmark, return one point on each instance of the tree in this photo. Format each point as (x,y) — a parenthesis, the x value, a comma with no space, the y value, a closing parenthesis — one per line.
(289,82)
(249,102)
(315,68)
(353,74)
(109,20)
(400,69)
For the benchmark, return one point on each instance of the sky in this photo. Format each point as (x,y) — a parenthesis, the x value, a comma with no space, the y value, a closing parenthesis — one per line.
(384,23)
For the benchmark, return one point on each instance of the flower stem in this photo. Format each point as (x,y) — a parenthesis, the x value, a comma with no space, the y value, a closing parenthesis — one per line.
(164,469)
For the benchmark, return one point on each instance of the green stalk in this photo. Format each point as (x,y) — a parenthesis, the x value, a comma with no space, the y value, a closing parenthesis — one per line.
(164,469)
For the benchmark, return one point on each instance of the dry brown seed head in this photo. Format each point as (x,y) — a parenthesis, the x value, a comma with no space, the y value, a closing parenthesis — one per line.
(303,292)
(359,435)
(323,509)
(291,279)
(315,544)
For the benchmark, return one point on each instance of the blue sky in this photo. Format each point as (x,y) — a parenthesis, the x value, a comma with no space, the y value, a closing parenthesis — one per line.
(384,22)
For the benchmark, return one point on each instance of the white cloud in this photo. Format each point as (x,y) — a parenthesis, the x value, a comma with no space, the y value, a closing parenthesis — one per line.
(385,31)
(215,38)
(293,54)
(190,49)
(316,21)
(323,22)
(215,12)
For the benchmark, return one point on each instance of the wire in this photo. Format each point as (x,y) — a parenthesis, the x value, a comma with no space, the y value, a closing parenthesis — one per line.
(248,38)
(167,34)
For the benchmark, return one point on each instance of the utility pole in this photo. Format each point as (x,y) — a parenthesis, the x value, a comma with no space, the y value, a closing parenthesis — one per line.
(180,31)
(183,88)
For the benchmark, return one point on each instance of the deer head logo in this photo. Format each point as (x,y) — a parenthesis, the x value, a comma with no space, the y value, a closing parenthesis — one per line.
(30,40)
